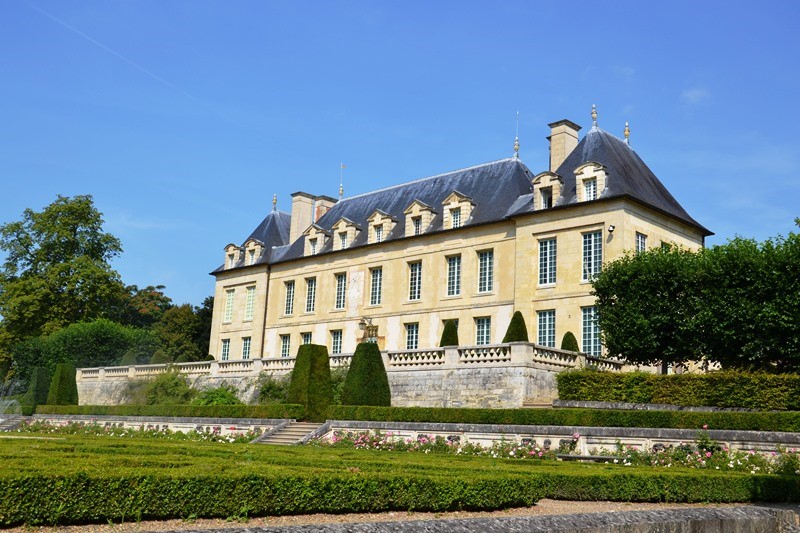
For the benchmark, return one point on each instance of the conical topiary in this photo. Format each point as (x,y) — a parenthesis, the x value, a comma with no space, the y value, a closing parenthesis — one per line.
(38,388)
(63,389)
(570,343)
(367,382)
(130,358)
(320,387)
(159,358)
(449,334)
(517,330)
(298,382)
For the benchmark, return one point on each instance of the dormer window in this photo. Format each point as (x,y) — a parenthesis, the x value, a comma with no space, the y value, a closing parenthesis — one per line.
(417,222)
(547,197)
(455,217)
(381,225)
(378,232)
(251,256)
(232,255)
(346,232)
(418,218)
(231,260)
(343,240)
(458,209)
(591,180)
(546,190)
(312,243)
(590,189)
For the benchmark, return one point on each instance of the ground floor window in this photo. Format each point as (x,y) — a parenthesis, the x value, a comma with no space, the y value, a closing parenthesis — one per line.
(590,332)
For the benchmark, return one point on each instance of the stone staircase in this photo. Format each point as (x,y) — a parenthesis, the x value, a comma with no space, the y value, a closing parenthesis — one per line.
(530,403)
(292,433)
(10,422)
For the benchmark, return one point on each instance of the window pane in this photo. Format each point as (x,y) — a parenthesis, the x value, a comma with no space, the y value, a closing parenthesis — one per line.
(590,332)
(341,290)
(307,338)
(547,261)
(454,275)
(336,341)
(641,242)
(547,328)
(228,315)
(415,281)
(289,307)
(376,286)
(250,301)
(285,345)
(311,294)
(483,328)
(486,271)
(592,254)
(226,349)
(412,336)
(455,217)
(245,348)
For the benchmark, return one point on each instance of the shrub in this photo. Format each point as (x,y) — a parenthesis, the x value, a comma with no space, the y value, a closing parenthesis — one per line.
(449,334)
(159,358)
(569,342)
(169,388)
(63,388)
(183,358)
(517,330)
(272,389)
(130,358)
(310,384)
(38,388)
(338,378)
(298,382)
(367,383)
(222,395)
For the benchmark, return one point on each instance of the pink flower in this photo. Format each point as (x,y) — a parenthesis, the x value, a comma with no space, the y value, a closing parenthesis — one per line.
(705,426)
(708,454)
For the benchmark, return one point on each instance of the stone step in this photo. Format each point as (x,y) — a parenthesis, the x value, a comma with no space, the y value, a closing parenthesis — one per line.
(10,422)
(291,434)
(536,405)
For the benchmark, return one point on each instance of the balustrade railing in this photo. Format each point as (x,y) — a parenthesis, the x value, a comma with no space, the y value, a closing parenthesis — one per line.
(433,356)
(486,353)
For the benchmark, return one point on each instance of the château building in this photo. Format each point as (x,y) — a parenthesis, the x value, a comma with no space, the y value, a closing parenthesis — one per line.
(473,245)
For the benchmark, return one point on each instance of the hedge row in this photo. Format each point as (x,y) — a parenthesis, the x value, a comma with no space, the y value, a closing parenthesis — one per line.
(752,421)
(759,391)
(80,498)
(206,411)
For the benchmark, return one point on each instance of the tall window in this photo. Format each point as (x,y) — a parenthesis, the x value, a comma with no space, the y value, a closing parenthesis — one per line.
(306,337)
(547,328)
(592,254)
(288,307)
(590,189)
(486,271)
(375,288)
(412,336)
(312,244)
(454,275)
(641,242)
(455,217)
(249,302)
(286,345)
(483,330)
(228,315)
(336,341)
(547,261)
(251,257)
(378,233)
(245,348)
(341,290)
(225,352)
(417,221)
(415,280)
(343,240)
(547,197)
(590,332)
(311,294)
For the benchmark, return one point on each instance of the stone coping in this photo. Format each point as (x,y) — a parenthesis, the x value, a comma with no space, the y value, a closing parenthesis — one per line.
(163,419)
(627,406)
(726,435)
(745,519)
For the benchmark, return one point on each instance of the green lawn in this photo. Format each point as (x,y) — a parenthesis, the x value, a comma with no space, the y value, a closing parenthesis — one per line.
(79,479)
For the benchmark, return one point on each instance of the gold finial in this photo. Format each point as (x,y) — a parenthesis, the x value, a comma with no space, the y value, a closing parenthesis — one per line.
(627,133)
(274,202)
(516,140)
(594,116)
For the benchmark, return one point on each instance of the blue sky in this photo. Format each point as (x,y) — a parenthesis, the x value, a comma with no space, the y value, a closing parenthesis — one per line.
(183,118)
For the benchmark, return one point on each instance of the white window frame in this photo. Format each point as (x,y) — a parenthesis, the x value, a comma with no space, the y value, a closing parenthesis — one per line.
(378,233)
(336,341)
(592,262)
(483,330)
(590,189)
(548,248)
(641,242)
(312,245)
(454,275)
(227,316)
(286,345)
(341,291)
(455,217)
(546,195)
(412,335)
(343,240)
(251,257)
(417,222)
(288,305)
(225,350)
(231,260)
(311,294)
(249,302)
(546,331)
(246,344)
(590,332)
(414,281)
(485,271)
(376,286)
(306,337)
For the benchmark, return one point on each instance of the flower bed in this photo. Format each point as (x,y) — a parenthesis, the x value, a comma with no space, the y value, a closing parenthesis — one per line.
(232,434)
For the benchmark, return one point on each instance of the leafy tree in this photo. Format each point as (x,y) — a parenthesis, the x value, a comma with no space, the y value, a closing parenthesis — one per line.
(569,342)
(203,332)
(143,307)
(517,330)
(57,271)
(169,388)
(222,395)
(449,334)
(159,358)
(63,388)
(177,333)
(367,382)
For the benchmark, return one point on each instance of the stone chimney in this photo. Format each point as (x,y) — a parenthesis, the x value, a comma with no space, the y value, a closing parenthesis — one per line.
(302,214)
(322,205)
(563,140)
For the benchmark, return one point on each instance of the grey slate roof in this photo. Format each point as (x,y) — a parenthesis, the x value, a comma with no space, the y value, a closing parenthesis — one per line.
(500,189)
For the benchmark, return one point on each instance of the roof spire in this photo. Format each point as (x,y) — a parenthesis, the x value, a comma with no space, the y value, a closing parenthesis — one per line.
(274,202)
(627,134)
(342,166)
(594,116)
(516,139)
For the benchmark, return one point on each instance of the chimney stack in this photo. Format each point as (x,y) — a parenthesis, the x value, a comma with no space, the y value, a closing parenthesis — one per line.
(563,140)
(302,213)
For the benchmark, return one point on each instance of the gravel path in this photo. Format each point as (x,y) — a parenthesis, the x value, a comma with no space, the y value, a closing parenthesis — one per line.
(543,508)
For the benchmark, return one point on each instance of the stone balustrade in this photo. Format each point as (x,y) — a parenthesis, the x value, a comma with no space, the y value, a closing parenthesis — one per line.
(408,358)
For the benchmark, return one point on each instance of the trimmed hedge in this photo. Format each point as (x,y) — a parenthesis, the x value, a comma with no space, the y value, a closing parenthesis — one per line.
(760,391)
(138,480)
(205,411)
(63,387)
(517,330)
(757,421)
(449,334)
(569,342)
(367,382)
(298,380)
(310,384)
(38,389)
